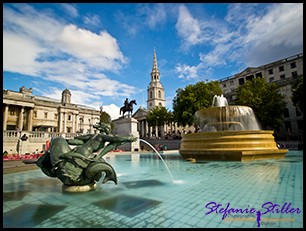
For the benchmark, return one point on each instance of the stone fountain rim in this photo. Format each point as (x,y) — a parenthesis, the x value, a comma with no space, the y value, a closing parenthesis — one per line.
(243,132)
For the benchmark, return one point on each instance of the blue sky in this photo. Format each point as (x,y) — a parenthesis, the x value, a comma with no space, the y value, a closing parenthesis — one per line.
(103,52)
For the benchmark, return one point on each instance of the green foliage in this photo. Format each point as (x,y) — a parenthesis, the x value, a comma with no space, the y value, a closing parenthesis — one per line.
(265,100)
(158,116)
(192,98)
(297,94)
(106,118)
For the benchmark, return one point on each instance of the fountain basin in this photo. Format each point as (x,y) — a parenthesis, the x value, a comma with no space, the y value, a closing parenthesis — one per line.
(230,146)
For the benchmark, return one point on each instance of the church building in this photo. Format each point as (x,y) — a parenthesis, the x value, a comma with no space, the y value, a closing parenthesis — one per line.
(155,98)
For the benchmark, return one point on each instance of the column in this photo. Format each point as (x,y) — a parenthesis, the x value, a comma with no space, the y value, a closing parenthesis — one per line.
(5,116)
(73,120)
(76,122)
(65,125)
(59,122)
(30,115)
(142,128)
(20,119)
(146,128)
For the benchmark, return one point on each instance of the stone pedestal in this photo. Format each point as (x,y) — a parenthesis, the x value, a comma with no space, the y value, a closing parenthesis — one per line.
(126,126)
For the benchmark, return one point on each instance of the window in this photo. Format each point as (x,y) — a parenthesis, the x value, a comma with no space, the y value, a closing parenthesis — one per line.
(250,77)
(160,104)
(241,81)
(282,76)
(271,79)
(293,65)
(281,68)
(294,74)
(12,113)
(224,85)
(55,116)
(46,115)
(270,72)
(151,95)
(159,94)
(258,75)
(35,114)
(69,117)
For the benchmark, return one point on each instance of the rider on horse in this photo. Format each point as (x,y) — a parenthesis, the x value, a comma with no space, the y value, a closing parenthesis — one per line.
(126,104)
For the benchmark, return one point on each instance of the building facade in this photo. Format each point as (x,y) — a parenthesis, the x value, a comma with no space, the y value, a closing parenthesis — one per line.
(283,72)
(22,111)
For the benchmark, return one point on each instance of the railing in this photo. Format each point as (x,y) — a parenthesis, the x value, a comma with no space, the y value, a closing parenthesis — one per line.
(37,135)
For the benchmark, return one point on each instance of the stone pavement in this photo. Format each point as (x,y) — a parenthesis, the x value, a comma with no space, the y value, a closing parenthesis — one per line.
(17,166)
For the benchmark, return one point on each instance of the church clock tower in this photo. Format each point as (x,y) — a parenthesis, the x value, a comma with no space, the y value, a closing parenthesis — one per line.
(156,92)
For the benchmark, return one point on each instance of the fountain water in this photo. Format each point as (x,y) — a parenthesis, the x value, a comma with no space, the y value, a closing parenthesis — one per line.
(229,133)
(222,117)
(159,157)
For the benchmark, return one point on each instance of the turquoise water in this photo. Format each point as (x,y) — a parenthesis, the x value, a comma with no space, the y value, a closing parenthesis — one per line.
(146,196)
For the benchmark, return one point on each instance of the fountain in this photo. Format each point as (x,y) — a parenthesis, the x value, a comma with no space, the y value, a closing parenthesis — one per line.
(81,167)
(229,133)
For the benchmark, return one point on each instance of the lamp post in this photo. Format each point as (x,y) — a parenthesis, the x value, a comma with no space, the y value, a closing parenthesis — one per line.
(19,143)
(20,139)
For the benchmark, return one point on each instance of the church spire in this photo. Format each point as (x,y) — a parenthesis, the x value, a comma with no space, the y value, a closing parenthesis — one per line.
(154,68)
(155,72)
(156,91)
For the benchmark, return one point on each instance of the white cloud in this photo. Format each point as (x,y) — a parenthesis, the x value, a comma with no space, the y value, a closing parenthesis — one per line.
(280,32)
(92,20)
(37,43)
(188,27)
(19,54)
(251,35)
(113,110)
(187,72)
(97,50)
(70,9)
(154,14)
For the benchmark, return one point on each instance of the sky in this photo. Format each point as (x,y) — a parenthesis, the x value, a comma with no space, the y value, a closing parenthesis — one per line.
(103,52)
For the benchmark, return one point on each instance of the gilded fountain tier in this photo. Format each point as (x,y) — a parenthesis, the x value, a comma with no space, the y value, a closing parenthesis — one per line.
(229,133)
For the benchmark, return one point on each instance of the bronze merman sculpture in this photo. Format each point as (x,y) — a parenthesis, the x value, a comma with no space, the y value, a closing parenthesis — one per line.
(82,165)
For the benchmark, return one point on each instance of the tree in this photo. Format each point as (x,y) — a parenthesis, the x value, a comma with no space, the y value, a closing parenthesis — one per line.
(106,118)
(265,100)
(297,94)
(193,98)
(159,116)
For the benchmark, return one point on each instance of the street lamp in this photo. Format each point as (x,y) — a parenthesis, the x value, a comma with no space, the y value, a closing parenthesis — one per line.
(21,138)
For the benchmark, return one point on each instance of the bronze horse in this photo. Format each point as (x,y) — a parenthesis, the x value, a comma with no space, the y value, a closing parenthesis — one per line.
(128,108)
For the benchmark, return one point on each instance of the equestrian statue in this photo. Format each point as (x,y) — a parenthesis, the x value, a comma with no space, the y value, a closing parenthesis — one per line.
(128,107)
